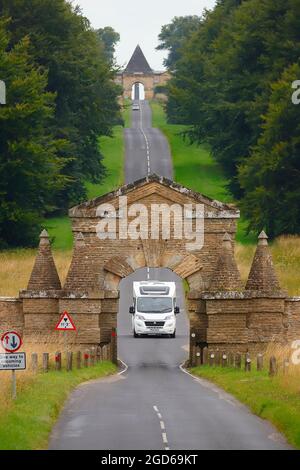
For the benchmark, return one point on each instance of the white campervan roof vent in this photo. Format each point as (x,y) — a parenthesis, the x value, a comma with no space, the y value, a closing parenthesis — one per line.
(158,290)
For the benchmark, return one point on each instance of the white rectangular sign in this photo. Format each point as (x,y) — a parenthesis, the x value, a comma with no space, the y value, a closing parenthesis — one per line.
(14,361)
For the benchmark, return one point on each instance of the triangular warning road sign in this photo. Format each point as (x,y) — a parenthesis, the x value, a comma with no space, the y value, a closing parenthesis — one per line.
(65,323)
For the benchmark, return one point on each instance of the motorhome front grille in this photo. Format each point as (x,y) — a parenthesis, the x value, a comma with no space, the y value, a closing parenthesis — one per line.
(155,323)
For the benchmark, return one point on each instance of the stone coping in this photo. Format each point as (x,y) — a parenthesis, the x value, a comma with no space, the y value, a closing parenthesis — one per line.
(10,299)
(76,295)
(79,211)
(236,295)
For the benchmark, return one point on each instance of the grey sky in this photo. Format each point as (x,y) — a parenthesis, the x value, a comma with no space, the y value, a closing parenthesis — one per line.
(139,22)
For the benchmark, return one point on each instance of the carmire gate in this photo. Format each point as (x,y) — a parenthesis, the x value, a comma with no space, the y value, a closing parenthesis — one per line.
(223,314)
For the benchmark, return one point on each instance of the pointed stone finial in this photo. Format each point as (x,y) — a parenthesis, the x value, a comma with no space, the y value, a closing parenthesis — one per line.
(263,238)
(226,276)
(262,276)
(44,234)
(44,275)
(44,238)
(79,276)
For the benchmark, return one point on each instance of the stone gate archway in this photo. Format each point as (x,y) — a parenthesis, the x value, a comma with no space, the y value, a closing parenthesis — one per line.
(222,313)
(138,91)
(138,70)
(90,292)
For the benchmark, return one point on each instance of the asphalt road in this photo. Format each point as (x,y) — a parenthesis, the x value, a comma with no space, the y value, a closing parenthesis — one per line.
(147,150)
(154,404)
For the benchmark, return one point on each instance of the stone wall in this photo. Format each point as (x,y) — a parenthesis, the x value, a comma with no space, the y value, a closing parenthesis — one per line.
(222,313)
(11,315)
(150,81)
(292,318)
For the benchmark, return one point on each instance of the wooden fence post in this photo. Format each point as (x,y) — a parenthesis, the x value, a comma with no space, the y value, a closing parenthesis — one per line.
(224,360)
(238,361)
(58,361)
(205,356)
(45,362)
(34,362)
(198,356)
(260,362)
(114,345)
(86,359)
(230,359)
(217,358)
(92,355)
(69,361)
(98,354)
(211,359)
(192,349)
(103,352)
(273,366)
(247,363)
(78,359)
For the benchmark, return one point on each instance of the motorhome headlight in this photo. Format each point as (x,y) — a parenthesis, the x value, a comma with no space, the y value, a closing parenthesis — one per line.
(139,317)
(169,318)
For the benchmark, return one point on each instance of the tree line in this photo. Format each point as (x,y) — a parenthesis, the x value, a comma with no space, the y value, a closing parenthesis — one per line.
(232,75)
(61,97)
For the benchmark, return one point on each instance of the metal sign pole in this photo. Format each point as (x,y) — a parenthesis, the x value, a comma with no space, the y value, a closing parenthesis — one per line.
(13,384)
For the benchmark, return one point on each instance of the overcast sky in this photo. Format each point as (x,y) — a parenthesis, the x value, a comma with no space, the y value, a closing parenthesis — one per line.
(139,22)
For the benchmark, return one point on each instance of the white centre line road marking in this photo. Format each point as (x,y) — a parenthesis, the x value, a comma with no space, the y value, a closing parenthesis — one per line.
(162,427)
(146,140)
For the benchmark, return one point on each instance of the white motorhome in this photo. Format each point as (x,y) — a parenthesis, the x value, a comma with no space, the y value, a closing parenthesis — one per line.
(154,308)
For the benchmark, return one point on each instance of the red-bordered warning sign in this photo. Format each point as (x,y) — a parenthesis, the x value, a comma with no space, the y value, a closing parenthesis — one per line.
(65,323)
(11,341)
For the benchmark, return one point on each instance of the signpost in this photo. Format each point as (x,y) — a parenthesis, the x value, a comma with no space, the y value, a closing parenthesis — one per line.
(65,323)
(15,361)
(11,341)
(12,360)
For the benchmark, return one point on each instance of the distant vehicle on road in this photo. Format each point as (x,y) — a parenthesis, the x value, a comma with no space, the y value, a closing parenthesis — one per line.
(154,308)
(135,107)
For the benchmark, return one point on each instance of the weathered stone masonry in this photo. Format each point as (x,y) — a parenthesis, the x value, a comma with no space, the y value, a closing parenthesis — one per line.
(223,314)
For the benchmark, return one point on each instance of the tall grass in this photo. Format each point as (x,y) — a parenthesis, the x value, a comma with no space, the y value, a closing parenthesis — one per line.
(25,423)
(286,256)
(273,398)
(16,266)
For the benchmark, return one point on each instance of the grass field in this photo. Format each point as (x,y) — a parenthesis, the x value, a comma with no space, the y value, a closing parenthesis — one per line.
(194,166)
(25,424)
(275,399)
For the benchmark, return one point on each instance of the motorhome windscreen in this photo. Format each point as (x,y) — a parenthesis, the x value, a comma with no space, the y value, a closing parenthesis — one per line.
(158,290)
(154,304)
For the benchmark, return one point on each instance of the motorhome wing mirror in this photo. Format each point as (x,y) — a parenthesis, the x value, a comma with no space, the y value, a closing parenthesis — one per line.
(132,310)
(176,310)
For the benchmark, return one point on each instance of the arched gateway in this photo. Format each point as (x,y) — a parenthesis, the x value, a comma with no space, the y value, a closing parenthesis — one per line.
(139,71)
(122,231)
